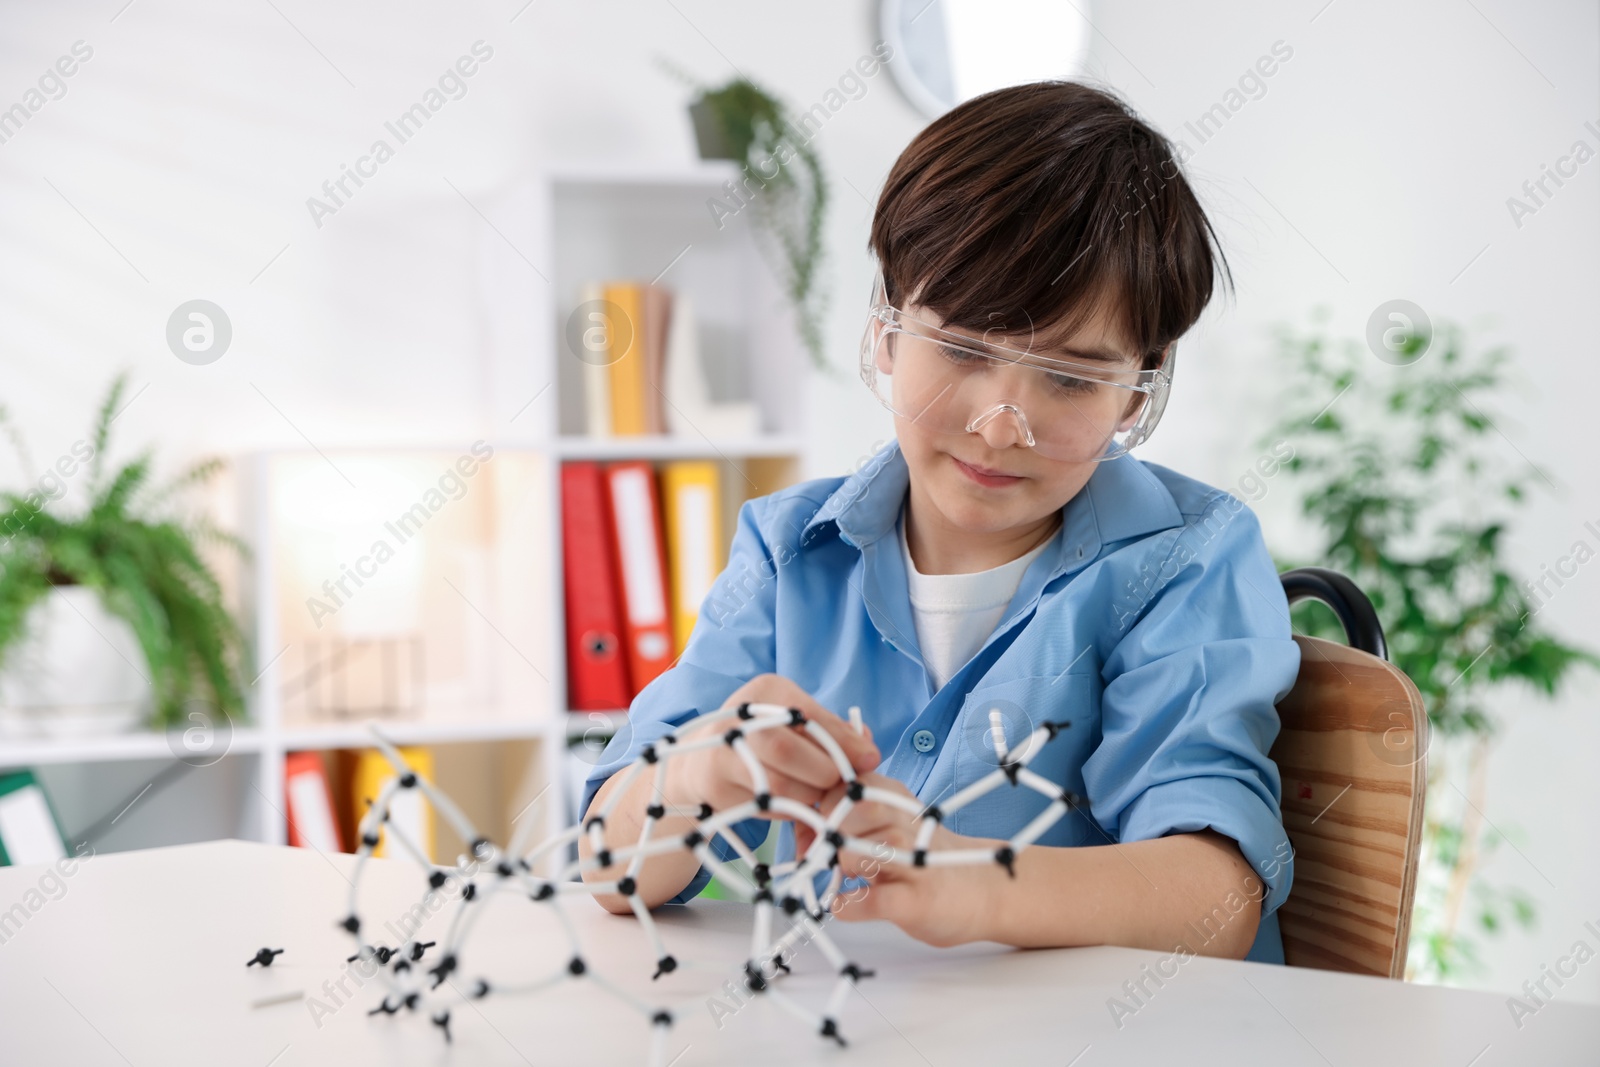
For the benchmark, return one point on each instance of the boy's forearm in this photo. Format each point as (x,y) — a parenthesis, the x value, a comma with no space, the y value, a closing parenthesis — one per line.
(1193,890)
(660,877)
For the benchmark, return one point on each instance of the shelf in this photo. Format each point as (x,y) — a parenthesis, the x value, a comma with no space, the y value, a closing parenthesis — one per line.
(581,722)
(675,447)
(573,725)
(150,745)
(356,734)
(133,746)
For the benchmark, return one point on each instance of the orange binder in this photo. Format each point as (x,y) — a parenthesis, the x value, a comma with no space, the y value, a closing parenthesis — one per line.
(597,666)
(309,803)
(628,367)
(641,565)
(692,513)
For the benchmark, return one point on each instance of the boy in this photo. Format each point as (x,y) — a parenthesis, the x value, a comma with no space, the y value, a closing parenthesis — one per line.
(1040,254)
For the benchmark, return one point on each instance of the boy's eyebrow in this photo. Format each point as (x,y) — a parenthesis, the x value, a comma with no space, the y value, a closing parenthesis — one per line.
(1096,353)
(1079,353)
(1101,353)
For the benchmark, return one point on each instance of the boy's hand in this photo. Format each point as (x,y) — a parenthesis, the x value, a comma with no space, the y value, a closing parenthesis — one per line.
(942,906)
(797,767)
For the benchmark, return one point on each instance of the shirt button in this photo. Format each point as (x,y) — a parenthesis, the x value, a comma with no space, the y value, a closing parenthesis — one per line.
(922,741)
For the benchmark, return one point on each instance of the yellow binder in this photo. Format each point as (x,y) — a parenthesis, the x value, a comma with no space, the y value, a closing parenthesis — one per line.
(691,501)
(627,367)
(408,810)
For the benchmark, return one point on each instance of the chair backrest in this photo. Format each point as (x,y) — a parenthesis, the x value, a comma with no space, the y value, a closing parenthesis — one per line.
(1353,758)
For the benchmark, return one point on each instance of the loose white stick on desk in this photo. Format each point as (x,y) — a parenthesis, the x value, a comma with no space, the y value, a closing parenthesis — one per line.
(412,984)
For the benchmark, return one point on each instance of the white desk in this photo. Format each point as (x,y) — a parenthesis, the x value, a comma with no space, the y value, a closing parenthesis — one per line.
(142,962)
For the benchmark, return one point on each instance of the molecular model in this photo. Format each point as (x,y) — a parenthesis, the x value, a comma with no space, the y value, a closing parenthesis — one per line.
(789,888)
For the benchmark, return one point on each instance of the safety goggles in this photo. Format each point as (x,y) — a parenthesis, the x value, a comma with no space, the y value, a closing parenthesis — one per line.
(949,383)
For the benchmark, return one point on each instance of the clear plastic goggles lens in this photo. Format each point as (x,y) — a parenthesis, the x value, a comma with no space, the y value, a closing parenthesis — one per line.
(952,386)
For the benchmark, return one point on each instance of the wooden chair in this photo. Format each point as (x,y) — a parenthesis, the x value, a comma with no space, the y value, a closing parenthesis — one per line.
(1353,758)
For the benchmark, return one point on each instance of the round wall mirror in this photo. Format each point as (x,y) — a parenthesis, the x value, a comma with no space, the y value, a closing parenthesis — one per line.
(947,51)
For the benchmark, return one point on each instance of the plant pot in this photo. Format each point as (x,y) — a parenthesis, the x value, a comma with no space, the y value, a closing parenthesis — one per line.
(78,671)
(709,136)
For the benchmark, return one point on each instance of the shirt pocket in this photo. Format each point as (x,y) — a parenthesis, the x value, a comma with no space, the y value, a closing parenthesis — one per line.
(1024,704)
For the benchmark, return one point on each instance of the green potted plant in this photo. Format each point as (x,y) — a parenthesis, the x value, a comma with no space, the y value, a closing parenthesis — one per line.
(784,187)
(1404,473)
(111,617)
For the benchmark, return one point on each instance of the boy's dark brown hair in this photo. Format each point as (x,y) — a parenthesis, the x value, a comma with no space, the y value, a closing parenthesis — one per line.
(1028,210)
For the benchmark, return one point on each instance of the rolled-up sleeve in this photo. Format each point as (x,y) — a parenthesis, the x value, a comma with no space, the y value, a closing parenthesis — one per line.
(1188,711)
(732,642)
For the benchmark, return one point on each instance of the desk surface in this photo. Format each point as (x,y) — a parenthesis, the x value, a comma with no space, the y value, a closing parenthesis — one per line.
(141,961)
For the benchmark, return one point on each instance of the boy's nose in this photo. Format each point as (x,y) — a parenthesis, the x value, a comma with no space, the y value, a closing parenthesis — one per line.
(1001,432)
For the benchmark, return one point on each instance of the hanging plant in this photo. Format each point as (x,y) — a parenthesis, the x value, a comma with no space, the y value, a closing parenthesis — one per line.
(784,186)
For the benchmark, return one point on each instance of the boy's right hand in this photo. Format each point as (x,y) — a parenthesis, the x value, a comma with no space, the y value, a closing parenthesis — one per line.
(796,765)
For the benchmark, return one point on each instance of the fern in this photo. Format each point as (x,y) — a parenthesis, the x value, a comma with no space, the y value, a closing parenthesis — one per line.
(146,569)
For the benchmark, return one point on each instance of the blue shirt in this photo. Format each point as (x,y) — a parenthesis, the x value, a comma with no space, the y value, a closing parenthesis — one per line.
(1154,622)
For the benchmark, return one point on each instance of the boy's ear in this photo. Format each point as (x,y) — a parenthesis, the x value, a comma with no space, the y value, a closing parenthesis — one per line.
(881,354)
(1131,415)
(1136,405)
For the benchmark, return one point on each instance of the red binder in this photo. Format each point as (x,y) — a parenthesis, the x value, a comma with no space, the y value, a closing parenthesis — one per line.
(313,822)
(597,673)
(642,567)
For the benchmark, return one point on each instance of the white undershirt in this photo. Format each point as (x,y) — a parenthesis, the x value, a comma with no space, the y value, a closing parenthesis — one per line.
(956,613)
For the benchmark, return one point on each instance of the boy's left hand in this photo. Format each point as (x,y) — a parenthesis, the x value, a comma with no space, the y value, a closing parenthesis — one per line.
(942,906)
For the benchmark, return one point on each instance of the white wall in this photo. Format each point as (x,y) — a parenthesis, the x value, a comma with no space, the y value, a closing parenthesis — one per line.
(188,144)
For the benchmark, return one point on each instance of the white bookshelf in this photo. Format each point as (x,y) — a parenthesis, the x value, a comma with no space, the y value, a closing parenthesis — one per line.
(570,226)
(615,223)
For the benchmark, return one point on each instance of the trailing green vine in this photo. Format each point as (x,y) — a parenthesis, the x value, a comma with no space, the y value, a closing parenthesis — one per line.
(786,188)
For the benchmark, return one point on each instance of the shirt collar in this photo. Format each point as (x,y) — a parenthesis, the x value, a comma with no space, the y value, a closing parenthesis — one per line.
(1123,499)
